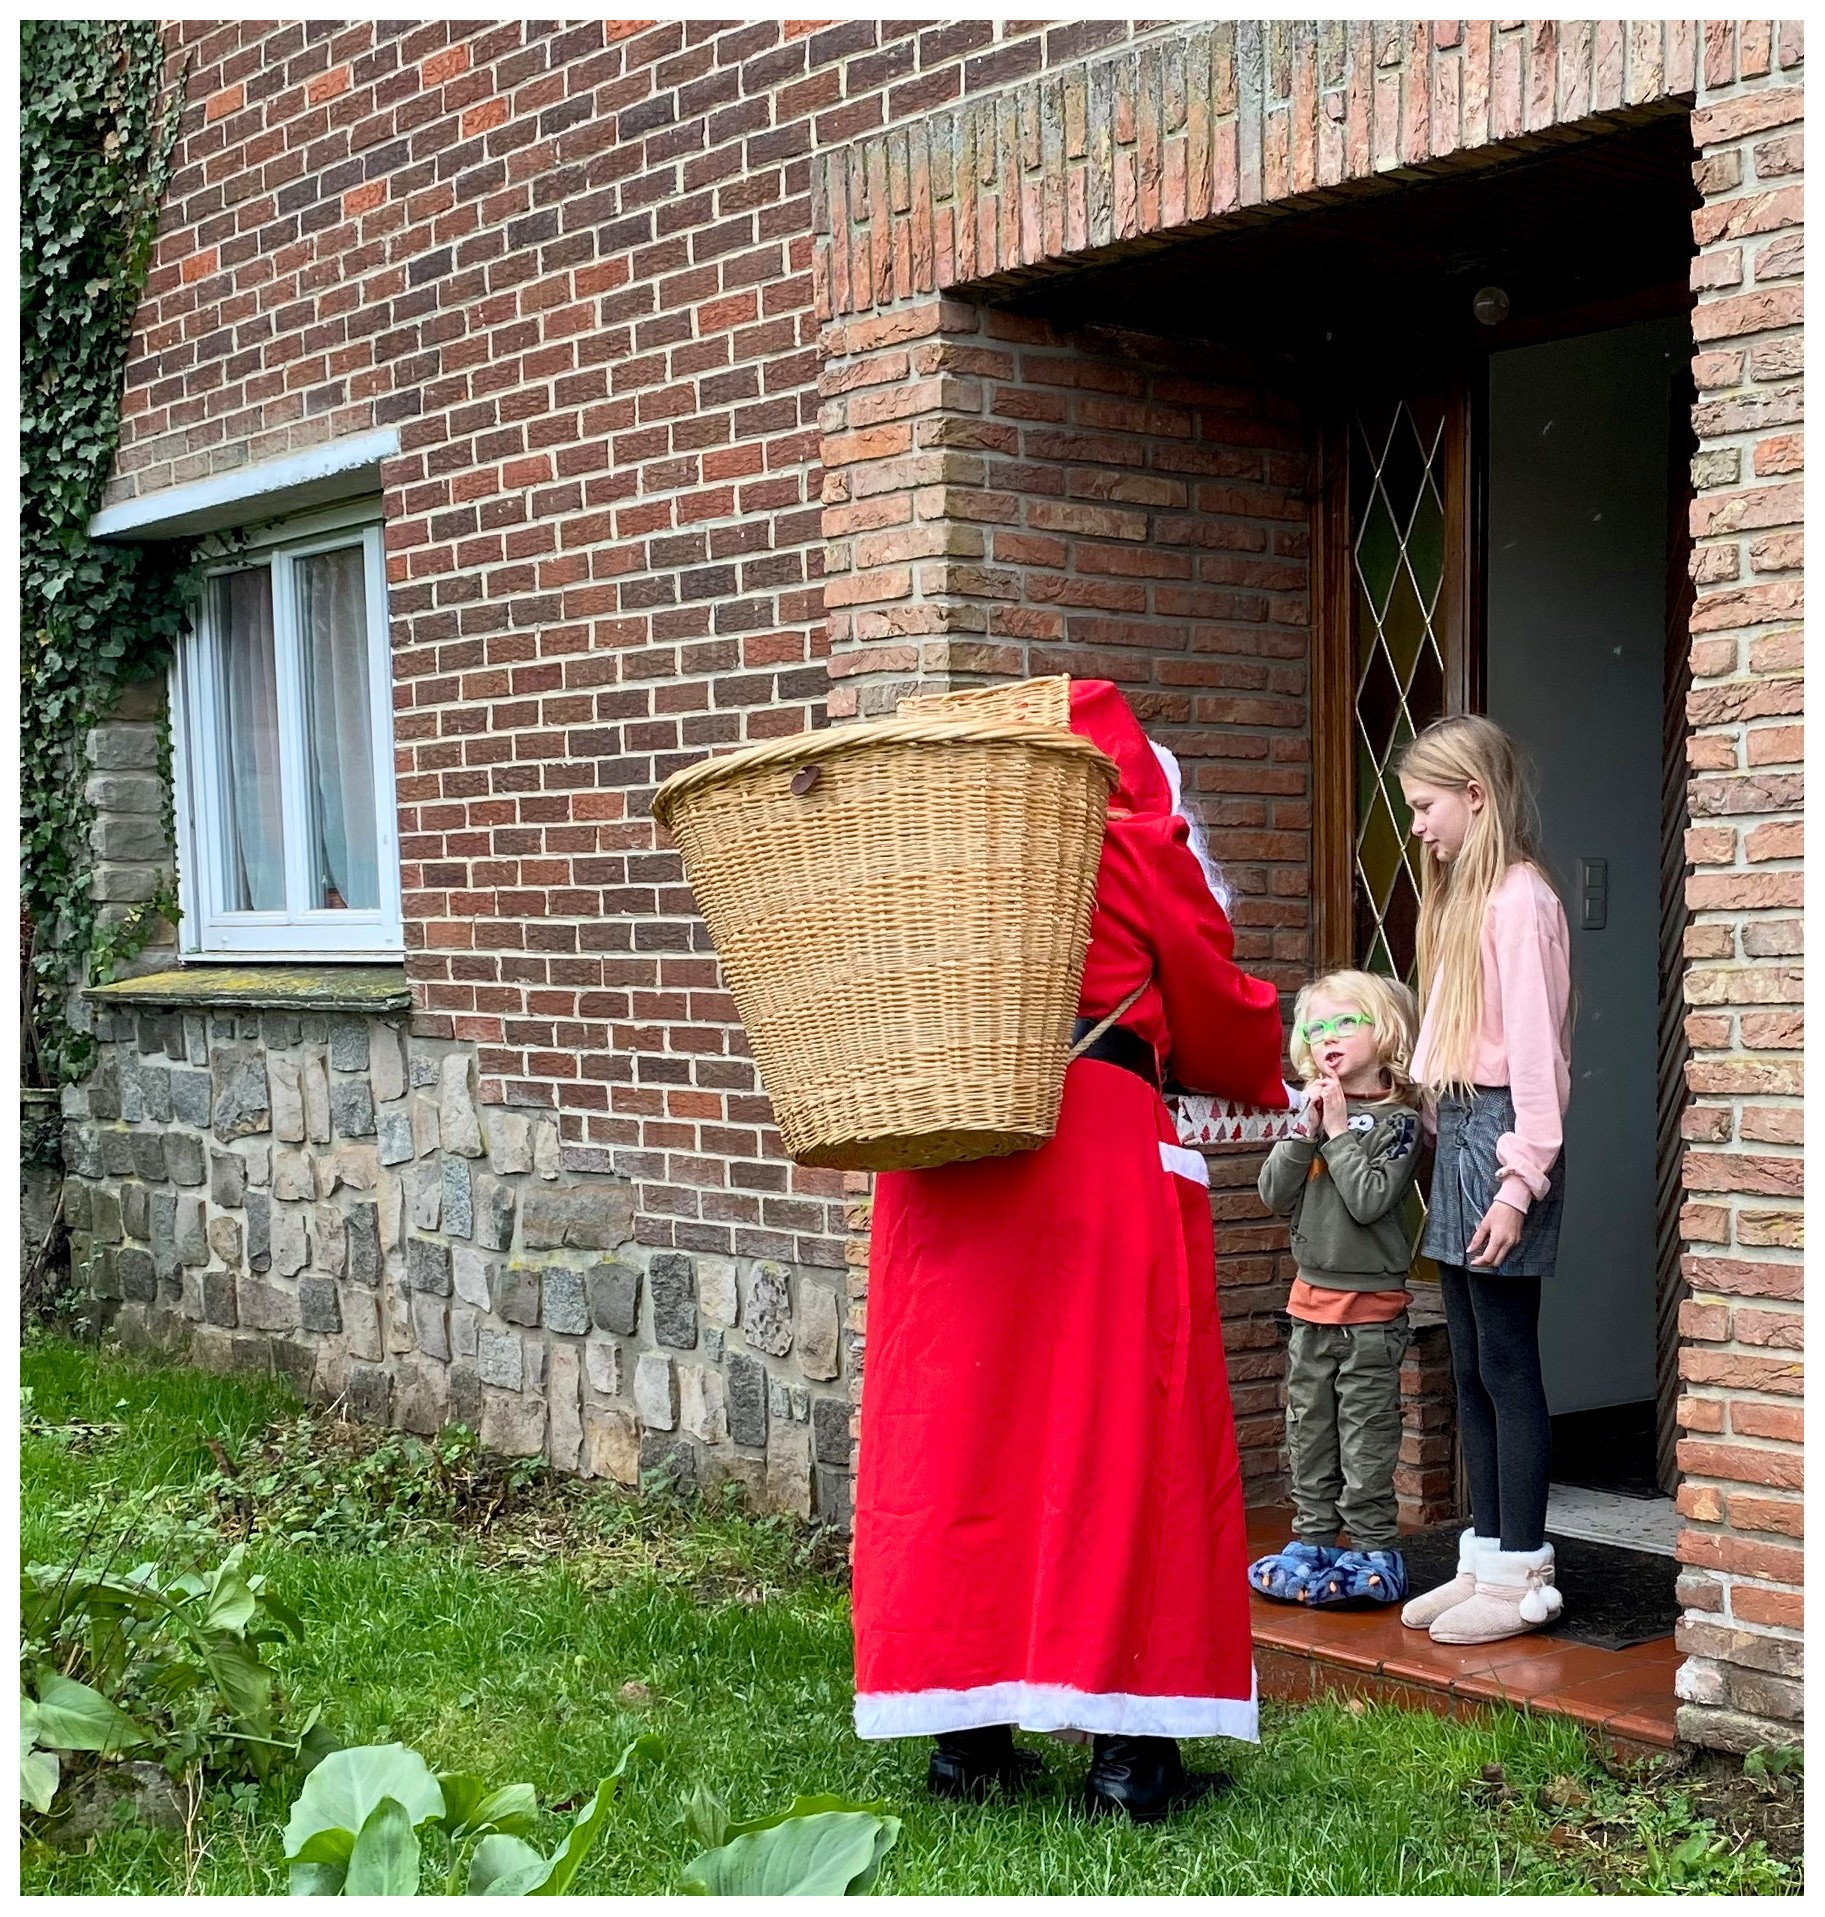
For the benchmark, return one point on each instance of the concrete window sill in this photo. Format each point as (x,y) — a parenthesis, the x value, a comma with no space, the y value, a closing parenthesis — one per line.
(284,988)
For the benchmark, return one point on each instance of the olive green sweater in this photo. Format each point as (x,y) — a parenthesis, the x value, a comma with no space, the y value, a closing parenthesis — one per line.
(1344,1196)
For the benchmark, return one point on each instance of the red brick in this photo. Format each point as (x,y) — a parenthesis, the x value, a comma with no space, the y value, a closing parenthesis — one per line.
(1743,1172)
(1772,1124)
(1747,1557)
(1780,453)
(1753,1604)
(1703,1503)
(444,65)
(1770,1328)
(1742,1277)
(327,85)
(1783,1228)
(1701,1414)
(1776,745)
(1742,1463)
(1748,1512)
(1750,1419)
(1710,1322)
(1700,1365)
(1781,839)
(1757,112)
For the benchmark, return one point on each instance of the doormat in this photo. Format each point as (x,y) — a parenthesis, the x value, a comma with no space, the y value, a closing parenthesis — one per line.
(1613,1597)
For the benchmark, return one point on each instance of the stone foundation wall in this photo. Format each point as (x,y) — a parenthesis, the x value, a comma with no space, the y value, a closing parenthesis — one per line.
(322,1194)
(126,788)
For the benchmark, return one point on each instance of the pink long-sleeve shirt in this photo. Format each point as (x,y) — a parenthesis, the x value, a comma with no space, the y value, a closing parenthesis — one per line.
(1525,1042)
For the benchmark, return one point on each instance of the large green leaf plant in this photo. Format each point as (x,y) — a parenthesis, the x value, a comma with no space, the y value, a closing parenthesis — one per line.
(363,1822)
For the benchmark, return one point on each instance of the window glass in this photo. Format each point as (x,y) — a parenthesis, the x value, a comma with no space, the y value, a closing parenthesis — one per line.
(333,639)
(287,837)
(254,843)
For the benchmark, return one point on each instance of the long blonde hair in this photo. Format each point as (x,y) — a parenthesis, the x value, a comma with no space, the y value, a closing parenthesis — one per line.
(1454,898)
(1388,1002)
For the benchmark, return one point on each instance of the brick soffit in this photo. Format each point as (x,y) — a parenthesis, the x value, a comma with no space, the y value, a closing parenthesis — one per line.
(1205,122)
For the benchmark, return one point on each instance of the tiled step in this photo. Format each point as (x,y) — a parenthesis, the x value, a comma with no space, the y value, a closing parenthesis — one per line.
(1625,1695)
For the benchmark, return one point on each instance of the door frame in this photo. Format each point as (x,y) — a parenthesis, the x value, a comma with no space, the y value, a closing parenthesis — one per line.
(1463,376)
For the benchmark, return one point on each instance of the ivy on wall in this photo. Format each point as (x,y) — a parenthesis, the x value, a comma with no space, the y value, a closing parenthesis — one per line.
(97,130)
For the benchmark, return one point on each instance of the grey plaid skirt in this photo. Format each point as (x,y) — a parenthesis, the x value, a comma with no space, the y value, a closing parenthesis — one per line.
(1464,1182)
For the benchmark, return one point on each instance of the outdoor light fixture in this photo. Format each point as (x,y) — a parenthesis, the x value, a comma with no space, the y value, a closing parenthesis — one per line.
(1490,305)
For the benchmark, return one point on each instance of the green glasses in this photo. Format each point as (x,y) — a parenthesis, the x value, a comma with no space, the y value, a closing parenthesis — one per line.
(1344,1025)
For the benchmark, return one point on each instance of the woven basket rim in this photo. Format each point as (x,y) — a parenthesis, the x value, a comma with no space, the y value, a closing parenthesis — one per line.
(831,742)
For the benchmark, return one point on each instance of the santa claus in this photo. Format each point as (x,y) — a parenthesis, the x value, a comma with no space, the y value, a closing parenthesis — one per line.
(1049,1527)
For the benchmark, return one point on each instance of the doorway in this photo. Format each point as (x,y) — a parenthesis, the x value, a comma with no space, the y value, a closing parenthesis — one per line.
(1576,581)
(1508,536)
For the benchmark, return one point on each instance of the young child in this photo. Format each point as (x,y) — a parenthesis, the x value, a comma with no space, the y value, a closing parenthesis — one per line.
(1494,1052)
(1343,1184)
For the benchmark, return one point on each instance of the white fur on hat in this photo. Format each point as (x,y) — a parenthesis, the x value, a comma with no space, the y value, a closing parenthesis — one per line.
(1200,845)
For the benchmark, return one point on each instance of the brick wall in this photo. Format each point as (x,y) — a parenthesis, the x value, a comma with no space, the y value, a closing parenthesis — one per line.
(1213,121)
(573,266)
(1001,500)
(1744,1167)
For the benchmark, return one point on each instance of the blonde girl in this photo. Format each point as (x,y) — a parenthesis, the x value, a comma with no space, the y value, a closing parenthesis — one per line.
(1494,1061)
(1342,1183)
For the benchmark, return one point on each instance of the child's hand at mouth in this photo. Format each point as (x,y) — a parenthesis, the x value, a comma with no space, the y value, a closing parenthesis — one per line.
(1330,1105)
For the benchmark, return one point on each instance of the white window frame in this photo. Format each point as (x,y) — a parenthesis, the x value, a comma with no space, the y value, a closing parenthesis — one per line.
(209,930)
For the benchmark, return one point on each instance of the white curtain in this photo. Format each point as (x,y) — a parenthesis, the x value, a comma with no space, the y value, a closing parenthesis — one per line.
(250,711)
(333,627)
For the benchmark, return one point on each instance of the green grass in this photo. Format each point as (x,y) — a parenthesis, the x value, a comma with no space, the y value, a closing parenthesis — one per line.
(506,1652)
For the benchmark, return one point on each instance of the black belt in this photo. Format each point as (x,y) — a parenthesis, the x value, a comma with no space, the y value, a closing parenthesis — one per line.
(1119,1046)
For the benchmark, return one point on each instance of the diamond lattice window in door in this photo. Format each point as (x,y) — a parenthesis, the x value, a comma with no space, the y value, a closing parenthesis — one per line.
(1397,546)
(1397,541)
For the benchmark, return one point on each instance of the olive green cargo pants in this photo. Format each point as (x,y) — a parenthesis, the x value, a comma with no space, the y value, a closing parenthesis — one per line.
(1343,1430)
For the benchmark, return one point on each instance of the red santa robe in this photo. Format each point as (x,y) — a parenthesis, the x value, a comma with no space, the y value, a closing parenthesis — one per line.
(1049,1525)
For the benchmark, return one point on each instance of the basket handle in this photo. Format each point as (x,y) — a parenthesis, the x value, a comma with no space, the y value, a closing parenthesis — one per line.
(1102,1025)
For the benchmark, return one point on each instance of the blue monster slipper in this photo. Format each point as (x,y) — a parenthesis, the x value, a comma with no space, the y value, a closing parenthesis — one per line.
(1286,1575)
(1360,1578)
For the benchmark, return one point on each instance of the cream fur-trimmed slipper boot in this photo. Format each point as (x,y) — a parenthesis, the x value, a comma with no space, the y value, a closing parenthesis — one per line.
(1514,1593)
(1419,1612)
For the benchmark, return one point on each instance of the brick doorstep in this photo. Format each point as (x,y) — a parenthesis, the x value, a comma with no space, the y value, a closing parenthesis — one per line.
(1625,1695)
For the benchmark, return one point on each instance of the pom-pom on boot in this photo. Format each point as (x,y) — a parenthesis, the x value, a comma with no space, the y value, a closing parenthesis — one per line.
(1419,1612)
(1514,1593)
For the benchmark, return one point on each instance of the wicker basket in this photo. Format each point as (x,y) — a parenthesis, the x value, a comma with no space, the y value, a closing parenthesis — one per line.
(902,910)
(1038,702)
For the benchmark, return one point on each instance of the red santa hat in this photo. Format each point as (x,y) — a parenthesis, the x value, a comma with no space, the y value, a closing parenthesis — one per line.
(1150,782)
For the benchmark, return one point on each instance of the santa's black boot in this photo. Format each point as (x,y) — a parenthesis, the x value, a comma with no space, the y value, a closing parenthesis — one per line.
(973,1763)
(1146,1778)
